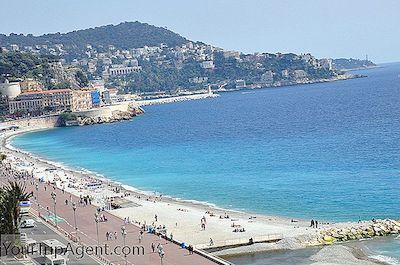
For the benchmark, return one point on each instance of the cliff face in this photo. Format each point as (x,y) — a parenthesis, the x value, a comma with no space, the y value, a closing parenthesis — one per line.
(65,76)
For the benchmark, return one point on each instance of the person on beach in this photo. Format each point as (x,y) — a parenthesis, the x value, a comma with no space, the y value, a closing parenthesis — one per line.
(159,247)
(211,242)
(316,224)
(115,235)
(155,217)
(190,249)
(312,223)
(153,247)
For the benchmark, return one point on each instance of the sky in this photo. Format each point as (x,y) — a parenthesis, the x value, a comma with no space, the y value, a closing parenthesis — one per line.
(325,28)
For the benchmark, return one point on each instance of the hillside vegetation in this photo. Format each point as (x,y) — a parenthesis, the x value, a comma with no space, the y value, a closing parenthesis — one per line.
(125,35)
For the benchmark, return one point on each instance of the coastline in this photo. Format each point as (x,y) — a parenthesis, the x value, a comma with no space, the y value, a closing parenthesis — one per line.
(292,235)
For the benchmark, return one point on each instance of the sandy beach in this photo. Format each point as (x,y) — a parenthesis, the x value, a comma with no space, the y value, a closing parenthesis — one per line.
(204,226)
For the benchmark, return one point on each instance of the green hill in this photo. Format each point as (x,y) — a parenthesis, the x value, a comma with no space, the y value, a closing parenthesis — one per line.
(124,36)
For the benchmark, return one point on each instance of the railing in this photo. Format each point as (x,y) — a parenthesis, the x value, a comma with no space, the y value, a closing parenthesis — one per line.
(241,241)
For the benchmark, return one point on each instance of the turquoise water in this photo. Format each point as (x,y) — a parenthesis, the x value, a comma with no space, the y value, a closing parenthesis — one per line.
(385,249)
(325,151)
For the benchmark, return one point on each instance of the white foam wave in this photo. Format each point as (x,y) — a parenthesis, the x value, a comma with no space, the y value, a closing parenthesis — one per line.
(386,259)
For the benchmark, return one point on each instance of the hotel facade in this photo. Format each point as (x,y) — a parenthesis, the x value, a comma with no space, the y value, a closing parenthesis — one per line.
(58,100)
(50,100)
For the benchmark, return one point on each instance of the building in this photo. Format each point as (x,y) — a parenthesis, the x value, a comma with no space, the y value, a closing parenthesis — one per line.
(300,74)
(10,90)
(240,83)
(14,47)
(105,97)
(267,78)
(81,100)
(49,100)
(231,54)
(119,69)
(326,63)
(25,105)
(198,80)
(285,74)
(30,85)
(207,65)
(96,98)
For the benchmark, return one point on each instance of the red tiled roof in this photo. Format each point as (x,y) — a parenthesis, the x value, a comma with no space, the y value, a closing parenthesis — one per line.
(47,91)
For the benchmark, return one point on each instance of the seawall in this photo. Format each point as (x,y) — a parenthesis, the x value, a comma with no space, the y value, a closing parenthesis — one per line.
(43,122)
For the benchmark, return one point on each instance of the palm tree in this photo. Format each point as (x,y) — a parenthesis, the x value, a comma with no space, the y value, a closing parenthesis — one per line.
(10,199)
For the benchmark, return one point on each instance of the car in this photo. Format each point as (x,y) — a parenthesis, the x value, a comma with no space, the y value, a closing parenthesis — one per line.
(28,223)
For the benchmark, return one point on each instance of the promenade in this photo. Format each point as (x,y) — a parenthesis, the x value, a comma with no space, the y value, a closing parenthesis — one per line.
(88,233)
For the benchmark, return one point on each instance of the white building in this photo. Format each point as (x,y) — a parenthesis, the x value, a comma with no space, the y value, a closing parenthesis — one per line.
(10,90)
(118,69)
(267,78)
(240,83)
(300,74)
(232,54)
(207,64)
(285,73)
(14,47)
(326,63)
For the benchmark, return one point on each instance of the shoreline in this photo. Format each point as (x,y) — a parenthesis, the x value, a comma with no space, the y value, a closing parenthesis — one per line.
(287,242)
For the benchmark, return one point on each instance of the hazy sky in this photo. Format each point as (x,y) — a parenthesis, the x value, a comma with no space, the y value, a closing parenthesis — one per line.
(326,28)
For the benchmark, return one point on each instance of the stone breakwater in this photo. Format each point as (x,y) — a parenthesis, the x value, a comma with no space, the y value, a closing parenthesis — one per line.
(361,230)
(176,99)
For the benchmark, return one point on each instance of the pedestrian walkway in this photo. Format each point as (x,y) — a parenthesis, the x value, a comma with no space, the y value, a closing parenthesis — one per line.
(92,233)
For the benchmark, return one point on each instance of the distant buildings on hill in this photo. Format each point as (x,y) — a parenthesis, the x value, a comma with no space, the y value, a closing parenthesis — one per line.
(112,63)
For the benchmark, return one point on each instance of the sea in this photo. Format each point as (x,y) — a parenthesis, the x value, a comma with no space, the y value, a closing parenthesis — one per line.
(327,151)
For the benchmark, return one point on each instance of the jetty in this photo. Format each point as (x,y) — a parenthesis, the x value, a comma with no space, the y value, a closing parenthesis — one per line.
(175,99)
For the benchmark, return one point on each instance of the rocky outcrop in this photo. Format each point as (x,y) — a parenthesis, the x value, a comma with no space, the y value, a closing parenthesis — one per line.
(361,230)
(116,116)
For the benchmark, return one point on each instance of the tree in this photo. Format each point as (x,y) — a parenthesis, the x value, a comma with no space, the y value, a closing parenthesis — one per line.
(81,78)
(10,198)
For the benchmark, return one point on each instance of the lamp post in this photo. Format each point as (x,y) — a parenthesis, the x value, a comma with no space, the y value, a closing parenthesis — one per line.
(123,232)
(37,195)
(54,196)
(74,208)
(161,253)
(97,219)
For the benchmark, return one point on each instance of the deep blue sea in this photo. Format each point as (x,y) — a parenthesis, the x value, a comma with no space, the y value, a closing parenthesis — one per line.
(328,151)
